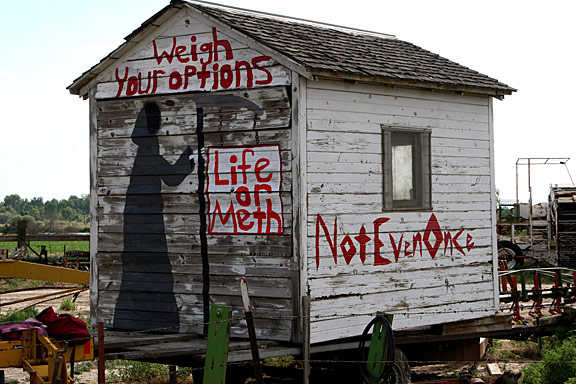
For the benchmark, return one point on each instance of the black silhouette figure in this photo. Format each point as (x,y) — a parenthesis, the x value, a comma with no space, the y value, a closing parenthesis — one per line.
(146,298)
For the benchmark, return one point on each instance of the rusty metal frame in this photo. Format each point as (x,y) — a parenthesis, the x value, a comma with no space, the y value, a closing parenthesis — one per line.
(530,161)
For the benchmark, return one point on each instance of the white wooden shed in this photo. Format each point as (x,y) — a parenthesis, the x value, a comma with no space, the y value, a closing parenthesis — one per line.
(342,172)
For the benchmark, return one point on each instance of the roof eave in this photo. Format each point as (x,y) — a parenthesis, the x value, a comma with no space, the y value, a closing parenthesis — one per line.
(497,92)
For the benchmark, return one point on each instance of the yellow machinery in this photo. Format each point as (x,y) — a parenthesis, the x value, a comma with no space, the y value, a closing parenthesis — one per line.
(34,271)
(43,358)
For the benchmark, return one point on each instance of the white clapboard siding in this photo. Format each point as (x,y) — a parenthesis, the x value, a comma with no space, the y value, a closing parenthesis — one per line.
(344,174)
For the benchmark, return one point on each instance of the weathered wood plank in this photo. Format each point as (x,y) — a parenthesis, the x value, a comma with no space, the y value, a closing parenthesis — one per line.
(405,225)
(175,241)
(404,302)
(445,281)
(116,118)
(373,106)
(228,262)
(441,127)
(117,186)
(123,166)
(341,118)
(172,203)
(353,199)
(405,266)
(359,188)
(418,218)
(238,121)
(376,89)
(266,74)
(176,144)
(377,206)
(183,283)
(320,94)
(332,329)
(173,223)
(331,269)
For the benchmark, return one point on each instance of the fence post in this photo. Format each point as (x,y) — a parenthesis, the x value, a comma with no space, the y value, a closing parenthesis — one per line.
(22,238)
(173,374)
(306,338)
(101,361)
(251,331)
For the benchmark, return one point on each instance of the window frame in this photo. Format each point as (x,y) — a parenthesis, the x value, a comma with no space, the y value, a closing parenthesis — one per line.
(420,139)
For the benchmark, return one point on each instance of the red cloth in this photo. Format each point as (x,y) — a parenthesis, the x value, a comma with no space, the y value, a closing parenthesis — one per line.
(64,327)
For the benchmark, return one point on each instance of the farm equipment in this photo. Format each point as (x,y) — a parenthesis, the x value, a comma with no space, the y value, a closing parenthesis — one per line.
(549,228)
(45,359)
(34,271)
(521,286)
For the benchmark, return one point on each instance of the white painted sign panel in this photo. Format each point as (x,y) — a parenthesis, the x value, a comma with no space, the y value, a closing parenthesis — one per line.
(207,61)
(244,189)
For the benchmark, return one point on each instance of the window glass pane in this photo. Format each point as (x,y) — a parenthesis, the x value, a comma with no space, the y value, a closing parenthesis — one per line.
(402,180)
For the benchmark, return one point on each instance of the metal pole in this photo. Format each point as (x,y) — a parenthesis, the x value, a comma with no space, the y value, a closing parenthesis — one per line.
(517,196)
(530,203)
(513,227)
(101,361)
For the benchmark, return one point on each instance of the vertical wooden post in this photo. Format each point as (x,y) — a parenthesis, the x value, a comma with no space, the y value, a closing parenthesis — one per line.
(217,345)
(33,377)
(306,338)
(22,238)
(101,361)
(173,374)
(251,331)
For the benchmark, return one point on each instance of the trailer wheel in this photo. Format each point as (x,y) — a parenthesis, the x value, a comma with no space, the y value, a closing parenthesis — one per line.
(509,252)
(401,369)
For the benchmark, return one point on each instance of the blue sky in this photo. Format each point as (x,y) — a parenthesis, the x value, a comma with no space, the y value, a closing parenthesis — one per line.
(47,44)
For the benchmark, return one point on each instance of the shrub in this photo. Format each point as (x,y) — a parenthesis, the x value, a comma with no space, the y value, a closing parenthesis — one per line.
(14,315)
(67,304)
(137,372)
(557,366)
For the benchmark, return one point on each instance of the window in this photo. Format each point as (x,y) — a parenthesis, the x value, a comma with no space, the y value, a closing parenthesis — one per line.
(406,169)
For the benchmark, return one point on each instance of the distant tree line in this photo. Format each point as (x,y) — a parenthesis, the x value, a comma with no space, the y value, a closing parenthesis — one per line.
(67,215)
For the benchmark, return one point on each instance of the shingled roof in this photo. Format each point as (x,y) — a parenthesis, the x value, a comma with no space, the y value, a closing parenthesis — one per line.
(325,50)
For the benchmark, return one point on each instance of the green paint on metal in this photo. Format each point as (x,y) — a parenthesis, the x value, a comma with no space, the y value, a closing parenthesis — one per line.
(375,364)
(217,345)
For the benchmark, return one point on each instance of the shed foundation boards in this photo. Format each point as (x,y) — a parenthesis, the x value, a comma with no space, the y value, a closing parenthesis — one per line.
(217,157)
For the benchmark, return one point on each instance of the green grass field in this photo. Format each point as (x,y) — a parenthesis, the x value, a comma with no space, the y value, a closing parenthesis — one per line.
(54,248)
